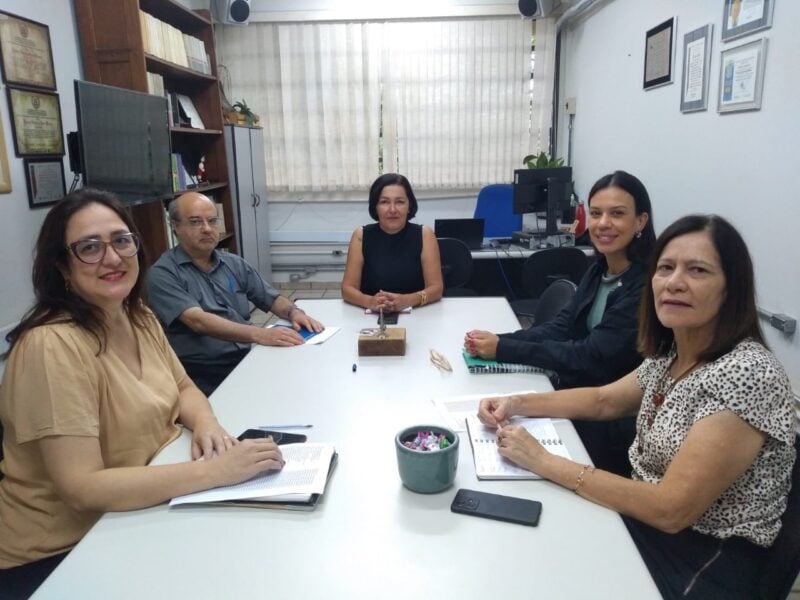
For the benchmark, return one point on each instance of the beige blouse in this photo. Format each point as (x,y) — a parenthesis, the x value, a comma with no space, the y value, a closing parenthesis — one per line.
(55,384)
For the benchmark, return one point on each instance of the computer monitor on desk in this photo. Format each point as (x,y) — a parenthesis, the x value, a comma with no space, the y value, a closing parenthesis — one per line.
(543,191)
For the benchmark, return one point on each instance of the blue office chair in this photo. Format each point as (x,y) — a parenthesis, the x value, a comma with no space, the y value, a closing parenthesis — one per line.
(495,206)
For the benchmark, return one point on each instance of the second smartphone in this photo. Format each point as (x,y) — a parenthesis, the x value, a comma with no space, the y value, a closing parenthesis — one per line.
(496,506)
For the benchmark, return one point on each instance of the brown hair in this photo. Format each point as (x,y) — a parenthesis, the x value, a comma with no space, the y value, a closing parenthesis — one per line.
(54,303)
(737,318)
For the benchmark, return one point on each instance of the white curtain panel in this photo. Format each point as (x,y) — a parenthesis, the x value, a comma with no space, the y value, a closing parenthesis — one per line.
(453,99)
(543,76)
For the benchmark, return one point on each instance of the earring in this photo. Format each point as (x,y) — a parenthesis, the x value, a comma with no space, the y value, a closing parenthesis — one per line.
(638,234)
(67,286)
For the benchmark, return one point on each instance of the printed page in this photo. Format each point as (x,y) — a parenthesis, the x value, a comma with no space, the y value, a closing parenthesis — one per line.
(305,473)
(454,409)
(488,462)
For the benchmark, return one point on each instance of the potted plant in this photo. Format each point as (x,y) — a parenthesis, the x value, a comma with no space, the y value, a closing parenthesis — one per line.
(542,161)
(244,114)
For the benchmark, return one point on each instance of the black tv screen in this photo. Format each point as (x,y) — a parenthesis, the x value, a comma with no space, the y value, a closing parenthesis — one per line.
(124,142)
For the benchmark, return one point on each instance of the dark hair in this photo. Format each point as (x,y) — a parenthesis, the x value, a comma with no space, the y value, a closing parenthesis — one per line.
(640,248)
(737,318)
(391,179)
(54,303)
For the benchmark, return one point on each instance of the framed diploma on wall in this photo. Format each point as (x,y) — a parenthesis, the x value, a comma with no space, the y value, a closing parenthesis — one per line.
(659,50)
(741,77)
(696,63)
(5,175)
(742,17)
(36,122)
(27,56)
(44,178)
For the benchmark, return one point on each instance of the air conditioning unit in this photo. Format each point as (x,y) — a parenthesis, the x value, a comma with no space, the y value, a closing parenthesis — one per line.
(232,12)
(535,9)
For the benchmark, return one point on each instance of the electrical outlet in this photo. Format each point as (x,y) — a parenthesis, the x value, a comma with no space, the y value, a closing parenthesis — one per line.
(570,106)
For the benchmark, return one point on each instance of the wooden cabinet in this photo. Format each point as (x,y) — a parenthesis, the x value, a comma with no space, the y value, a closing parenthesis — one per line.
(113,49)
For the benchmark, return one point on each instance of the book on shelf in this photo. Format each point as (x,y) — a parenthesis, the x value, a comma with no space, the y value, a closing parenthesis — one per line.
(488,462)
(221,217)
(298,486)
(482,365)
(189,111)
(176,169)
(171,239)
(155,84)
(169,43)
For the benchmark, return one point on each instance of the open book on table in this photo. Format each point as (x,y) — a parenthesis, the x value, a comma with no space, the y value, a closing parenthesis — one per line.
(488,462)
(298,486)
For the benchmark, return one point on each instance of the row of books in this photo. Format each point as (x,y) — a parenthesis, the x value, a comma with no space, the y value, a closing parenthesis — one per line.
(155,84)
(183,112)
(171,44)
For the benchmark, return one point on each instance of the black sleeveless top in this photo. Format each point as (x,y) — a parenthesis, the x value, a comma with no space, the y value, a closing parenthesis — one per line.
(392,262)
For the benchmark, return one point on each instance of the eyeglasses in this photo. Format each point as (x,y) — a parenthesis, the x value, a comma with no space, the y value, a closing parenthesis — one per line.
(93,251)
(198,222)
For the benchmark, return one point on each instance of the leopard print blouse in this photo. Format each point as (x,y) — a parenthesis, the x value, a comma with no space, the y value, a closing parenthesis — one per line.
(751,383)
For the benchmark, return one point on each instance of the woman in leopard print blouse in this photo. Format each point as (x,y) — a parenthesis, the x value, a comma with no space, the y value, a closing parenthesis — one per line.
(714,447)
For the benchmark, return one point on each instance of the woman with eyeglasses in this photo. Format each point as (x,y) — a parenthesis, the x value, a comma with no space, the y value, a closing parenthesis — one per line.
(91,392)
(714,447)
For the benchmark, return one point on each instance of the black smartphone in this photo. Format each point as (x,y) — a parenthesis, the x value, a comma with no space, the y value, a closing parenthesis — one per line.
(495,506)
(279,437)
(389,318)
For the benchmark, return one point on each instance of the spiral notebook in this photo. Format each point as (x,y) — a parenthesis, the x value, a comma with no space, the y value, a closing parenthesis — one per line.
(481,365)
(488,462)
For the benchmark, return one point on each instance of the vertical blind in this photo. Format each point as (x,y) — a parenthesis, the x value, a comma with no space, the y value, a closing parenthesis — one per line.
(447,103)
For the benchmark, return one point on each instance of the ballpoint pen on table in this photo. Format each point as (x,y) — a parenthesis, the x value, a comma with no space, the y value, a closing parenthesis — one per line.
(284,426)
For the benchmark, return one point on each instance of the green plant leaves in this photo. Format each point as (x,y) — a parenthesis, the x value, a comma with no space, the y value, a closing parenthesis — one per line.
(542,161)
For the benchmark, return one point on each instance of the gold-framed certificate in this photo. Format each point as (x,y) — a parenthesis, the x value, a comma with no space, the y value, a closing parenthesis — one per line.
(27,56)
(36,122)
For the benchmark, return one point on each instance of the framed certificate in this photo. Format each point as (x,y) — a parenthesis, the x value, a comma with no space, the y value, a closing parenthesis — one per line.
(44,178)
(742,17)
(696,63)
(36,122)
(741,77)
(659,50)
(27,56)
(5,176)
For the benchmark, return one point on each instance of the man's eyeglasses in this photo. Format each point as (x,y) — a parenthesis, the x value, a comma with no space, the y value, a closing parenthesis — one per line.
(198,222)
(93,251)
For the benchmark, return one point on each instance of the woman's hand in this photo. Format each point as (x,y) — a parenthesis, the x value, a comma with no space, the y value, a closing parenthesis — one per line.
(481,343)
(244,460)
(495,412)
(520,447)
(208,438)
(390,302)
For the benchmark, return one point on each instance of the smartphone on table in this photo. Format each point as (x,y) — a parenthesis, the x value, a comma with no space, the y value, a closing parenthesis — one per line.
(497,507)
(279,437)
(389,318)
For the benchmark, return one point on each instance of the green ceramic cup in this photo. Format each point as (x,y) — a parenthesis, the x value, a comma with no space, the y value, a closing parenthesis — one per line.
(426,472)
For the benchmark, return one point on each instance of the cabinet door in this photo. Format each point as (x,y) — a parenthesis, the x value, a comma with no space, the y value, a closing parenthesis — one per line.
(259,187)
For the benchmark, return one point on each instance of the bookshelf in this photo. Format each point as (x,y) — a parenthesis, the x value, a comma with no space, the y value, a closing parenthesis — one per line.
(116,51)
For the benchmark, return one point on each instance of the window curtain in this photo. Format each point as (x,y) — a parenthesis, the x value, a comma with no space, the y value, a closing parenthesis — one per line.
(447,103)
(542,93)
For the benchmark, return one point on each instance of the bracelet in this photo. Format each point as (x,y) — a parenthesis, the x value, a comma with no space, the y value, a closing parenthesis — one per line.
(423,298)
(581,477)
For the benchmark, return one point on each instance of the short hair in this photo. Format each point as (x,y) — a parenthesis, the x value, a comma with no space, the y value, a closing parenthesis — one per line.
(54,302)
(640,248)
(391,179)
(172,210)
(737,318)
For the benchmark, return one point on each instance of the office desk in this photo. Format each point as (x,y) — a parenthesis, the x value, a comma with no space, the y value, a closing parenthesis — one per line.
(370,537)
(494,270)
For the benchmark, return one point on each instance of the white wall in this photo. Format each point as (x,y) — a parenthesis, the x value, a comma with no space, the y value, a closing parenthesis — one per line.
(19,225)
(743,166)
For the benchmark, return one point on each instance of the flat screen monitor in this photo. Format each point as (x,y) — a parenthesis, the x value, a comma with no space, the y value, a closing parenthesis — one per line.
(543,191)
(124,142)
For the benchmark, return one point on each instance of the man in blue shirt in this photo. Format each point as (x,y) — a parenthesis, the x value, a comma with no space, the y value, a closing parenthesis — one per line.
(202,296)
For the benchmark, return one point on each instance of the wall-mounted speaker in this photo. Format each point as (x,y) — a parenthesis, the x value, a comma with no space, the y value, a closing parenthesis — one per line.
(535,9)
(232,12)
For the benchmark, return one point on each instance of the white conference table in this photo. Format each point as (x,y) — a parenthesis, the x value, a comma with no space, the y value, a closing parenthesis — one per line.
(369,537)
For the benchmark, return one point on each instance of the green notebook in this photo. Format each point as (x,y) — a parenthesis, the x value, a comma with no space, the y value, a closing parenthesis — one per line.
(481,365)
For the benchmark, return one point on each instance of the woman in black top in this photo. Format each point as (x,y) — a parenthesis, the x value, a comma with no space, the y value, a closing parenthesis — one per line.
(592,341)
(392,264)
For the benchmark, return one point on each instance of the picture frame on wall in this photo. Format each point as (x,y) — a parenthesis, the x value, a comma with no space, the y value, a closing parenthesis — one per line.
(743,17)
(696,65)
(741,77)
(44,178)
(35,122)
(659,52)
(26,52)
(5,174)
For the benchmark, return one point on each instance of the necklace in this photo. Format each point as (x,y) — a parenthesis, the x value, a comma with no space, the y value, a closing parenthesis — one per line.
(660,394)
